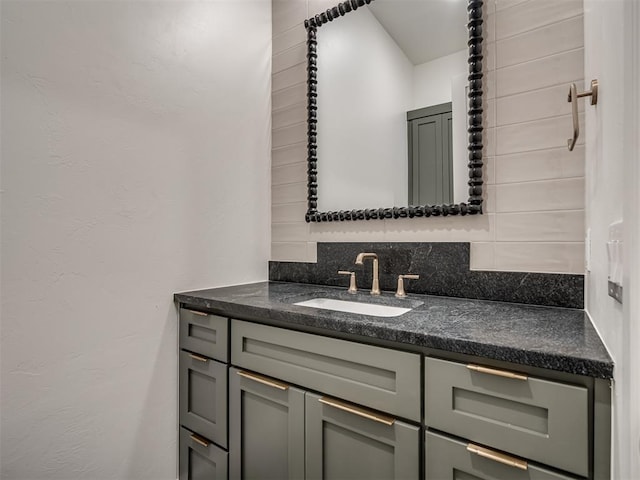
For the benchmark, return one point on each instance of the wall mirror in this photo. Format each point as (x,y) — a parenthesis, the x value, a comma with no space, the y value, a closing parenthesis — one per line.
(394,92)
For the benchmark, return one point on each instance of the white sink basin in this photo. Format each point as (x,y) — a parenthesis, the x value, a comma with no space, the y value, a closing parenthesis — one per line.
(354,307)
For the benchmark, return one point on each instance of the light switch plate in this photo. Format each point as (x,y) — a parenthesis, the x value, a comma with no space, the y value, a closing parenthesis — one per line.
(616,264)
(615,291)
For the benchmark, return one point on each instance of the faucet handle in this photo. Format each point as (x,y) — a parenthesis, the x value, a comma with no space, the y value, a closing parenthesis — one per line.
(352,281)
(400,293)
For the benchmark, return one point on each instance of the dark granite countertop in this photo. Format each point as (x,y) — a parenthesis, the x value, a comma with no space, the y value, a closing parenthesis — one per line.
(559,339)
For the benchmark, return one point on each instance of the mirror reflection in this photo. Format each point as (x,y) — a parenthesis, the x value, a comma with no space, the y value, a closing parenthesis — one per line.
(392,106)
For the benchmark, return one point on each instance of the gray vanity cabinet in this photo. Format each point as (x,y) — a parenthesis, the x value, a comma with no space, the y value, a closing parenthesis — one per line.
(279,431)
(266,434)
(203,377)
(263,402)
(346,442)
(379,378)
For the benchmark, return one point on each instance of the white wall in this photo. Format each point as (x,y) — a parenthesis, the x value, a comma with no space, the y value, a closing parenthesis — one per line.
(135,163)
(612,56)
(358,61)
(534,195)
(432,80)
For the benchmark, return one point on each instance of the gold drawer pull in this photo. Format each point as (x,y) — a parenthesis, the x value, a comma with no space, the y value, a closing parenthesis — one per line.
(202,314)
(497,456)
(499,373)
(199,358)
(263,380)
(200,441)
(376,417)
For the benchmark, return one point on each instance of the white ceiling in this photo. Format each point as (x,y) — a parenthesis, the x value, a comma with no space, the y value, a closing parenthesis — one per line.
(424,29)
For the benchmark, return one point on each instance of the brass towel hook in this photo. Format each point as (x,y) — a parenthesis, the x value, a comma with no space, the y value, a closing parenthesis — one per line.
(573,99)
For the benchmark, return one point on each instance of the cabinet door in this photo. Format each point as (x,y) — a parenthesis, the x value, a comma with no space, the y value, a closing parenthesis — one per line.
(266,435)
(430,155)
(203,396)
(450,459)
(200,459)
(346,442)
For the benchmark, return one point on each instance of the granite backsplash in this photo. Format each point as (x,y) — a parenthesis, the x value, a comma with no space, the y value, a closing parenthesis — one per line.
(443,269)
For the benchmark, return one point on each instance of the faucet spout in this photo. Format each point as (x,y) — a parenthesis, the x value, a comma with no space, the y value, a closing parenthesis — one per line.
(375,285)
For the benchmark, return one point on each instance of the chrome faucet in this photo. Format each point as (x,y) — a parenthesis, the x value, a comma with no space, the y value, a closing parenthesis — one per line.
(375,285)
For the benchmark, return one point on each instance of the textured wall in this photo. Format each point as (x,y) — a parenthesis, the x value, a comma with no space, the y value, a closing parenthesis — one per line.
(534,200)
(121,167)
(613,172)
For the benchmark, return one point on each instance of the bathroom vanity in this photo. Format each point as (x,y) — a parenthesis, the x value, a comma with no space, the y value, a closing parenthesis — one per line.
(453,388)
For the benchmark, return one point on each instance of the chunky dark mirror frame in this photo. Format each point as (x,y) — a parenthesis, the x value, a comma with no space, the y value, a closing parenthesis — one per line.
(474,204)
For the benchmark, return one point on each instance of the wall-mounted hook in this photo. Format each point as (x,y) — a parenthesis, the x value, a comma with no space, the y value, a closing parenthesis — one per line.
(573,99)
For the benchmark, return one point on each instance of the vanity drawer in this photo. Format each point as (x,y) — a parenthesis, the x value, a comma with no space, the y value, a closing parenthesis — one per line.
(204,333)
(203,396)
(533,418)
(447,458)
(379,378)
(200,459)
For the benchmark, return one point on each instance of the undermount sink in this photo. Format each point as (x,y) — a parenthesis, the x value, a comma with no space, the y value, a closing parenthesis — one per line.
(362,308)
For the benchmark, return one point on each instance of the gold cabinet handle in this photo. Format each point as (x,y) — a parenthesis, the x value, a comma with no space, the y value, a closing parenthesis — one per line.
(263,380)
(376,417)
(498,373)
(199,358)
(497,456)
(199,440)
(202,314)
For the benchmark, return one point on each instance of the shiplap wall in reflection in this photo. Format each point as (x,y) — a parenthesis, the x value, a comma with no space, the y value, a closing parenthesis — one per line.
(534,196)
